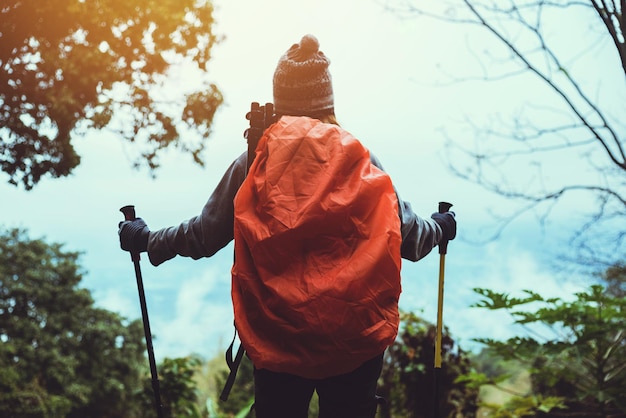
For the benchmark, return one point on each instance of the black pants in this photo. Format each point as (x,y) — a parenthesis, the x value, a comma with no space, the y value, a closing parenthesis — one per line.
(353,395)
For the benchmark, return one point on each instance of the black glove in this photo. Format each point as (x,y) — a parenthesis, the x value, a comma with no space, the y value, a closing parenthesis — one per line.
(134,235)
(447,223)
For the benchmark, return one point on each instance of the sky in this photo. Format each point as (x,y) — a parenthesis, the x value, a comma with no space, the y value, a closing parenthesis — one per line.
(388,78)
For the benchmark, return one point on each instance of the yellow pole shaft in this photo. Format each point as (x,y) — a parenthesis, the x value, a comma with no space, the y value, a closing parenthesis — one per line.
(442,267)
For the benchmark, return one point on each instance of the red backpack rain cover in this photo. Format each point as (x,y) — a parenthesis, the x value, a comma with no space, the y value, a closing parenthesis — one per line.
(316,278)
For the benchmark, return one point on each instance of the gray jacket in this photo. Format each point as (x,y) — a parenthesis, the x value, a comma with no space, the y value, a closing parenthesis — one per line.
(210,231)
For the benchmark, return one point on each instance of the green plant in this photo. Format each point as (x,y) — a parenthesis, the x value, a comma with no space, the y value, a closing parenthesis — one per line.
(575,352)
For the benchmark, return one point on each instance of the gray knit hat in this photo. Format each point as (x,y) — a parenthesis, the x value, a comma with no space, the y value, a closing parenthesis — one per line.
(302,83)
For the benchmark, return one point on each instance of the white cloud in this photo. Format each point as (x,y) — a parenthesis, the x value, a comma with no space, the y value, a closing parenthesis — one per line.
(115,300)
(202,320)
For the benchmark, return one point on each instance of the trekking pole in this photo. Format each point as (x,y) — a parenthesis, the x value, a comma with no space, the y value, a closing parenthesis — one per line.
(260,117)
(443,248)
(129,215)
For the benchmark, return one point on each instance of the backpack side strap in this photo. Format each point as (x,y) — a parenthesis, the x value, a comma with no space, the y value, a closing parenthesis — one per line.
(233,366)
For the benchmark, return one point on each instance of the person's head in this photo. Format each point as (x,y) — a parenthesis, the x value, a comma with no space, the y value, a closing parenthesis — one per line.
(302,83)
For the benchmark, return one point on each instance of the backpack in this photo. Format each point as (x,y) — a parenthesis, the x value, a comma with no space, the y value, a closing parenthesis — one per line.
(316,277)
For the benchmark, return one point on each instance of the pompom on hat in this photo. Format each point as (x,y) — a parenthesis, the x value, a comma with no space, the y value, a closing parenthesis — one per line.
(302,83)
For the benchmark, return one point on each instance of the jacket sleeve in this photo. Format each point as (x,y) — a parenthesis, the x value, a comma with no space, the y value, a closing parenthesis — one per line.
(207,233)
(419,235)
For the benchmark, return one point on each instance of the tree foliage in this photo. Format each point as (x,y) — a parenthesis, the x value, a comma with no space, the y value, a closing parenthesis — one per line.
(615,280)
(575,352)
(408,377)
(70,66)
(60,356)
(178,388)
(565,139)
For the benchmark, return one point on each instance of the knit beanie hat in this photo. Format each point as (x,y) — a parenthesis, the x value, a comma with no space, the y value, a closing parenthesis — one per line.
(302,83)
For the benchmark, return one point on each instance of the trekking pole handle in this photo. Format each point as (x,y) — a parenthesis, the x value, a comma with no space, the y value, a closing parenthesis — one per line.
(129,212)
(129,215)
(443,208)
